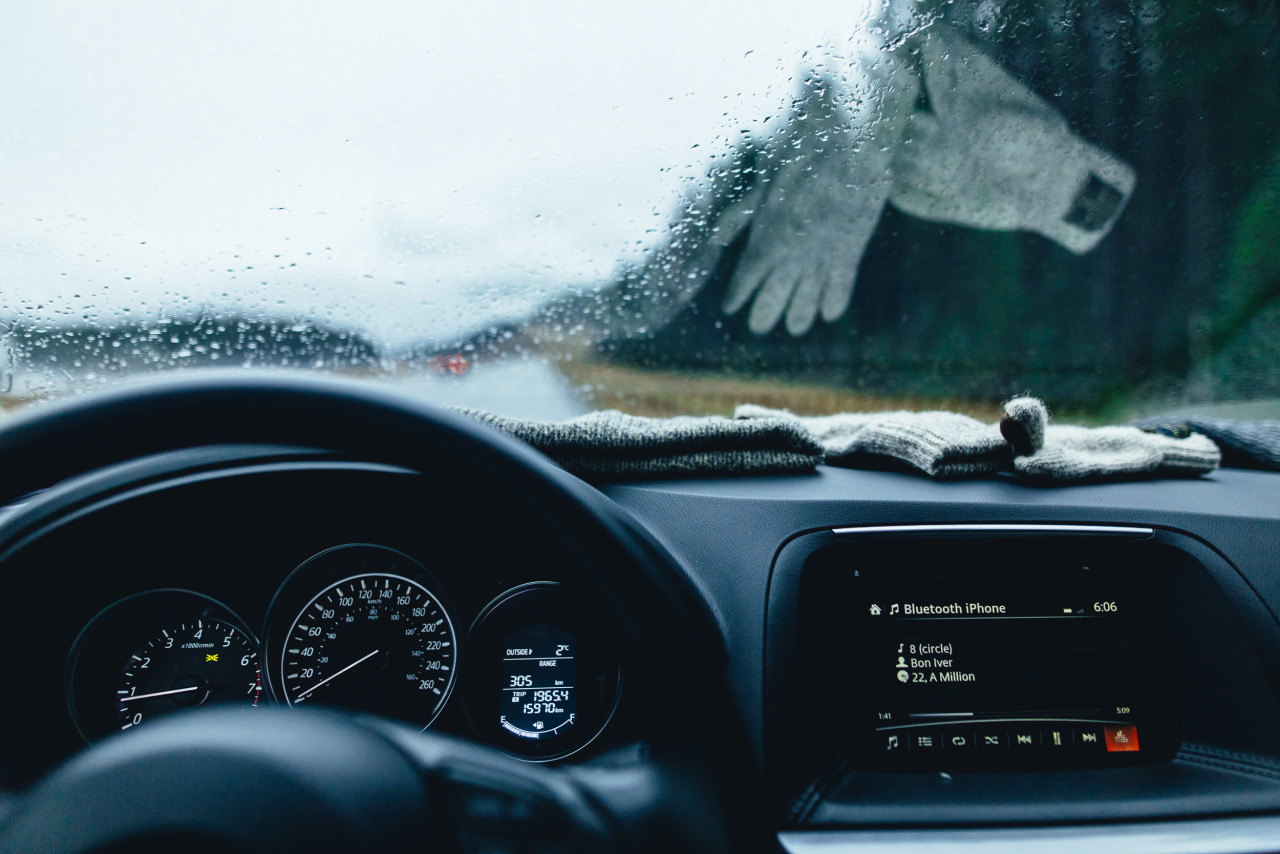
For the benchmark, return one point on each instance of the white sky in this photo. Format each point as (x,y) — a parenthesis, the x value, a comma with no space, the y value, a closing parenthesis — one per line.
(406,169)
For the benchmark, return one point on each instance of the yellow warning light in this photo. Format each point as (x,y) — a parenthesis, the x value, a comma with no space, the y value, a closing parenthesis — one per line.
(211,656)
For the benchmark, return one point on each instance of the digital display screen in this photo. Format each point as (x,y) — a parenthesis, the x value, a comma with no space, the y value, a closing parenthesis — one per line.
(956,665)
(539,681)
(1000,667)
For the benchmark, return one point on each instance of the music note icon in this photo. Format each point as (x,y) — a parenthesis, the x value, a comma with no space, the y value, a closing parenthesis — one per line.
(893,743)
(893,609)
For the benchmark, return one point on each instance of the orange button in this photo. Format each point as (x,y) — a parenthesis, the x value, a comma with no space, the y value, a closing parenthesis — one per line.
(1120,738)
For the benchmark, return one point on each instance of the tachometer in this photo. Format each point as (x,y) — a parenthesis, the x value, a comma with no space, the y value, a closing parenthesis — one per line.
(157,653)
(378,641)
(193,663)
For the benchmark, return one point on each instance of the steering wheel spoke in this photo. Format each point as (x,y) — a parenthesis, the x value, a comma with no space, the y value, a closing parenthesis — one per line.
(497,803)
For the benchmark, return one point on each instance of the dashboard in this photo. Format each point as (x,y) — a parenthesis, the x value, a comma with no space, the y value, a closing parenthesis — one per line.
(949,659)
(298,580)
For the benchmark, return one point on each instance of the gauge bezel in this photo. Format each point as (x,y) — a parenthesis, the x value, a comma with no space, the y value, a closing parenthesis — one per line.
(598,665)
(98,653)
(317,574)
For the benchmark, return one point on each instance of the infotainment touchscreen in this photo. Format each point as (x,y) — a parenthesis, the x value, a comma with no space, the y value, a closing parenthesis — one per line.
(1032,657)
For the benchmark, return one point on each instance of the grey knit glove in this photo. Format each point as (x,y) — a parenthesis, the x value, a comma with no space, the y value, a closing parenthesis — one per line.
(609,444)
(821,189)
(1048,452)
(945,444)
(940,444)
(991,154)
(1244,444)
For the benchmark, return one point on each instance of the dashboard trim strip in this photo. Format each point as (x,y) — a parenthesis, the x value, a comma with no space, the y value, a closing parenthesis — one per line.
(1208,836)
(997,529)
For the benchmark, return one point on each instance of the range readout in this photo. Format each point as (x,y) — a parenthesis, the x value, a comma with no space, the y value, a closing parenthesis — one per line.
(539,675)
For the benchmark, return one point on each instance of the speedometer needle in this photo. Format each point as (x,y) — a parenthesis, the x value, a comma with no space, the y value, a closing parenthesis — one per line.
(160,693)
(336,675)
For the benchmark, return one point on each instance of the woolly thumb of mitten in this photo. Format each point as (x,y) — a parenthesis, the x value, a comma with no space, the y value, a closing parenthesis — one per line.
(1023,425)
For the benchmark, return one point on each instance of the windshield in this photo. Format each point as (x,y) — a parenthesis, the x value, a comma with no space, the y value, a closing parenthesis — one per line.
(542,209)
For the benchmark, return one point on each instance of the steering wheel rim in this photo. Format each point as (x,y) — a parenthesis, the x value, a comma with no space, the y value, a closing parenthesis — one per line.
(59,441)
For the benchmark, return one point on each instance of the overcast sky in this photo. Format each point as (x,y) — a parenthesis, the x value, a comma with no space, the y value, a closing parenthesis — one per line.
(406,169)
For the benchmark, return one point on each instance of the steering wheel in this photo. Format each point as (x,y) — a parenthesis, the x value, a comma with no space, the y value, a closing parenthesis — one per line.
(281,779)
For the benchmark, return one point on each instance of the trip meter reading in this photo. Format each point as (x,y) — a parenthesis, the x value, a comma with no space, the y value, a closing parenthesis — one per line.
(539,673)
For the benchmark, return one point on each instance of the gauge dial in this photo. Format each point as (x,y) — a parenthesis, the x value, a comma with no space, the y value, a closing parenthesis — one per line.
(156,653)
(376,642)
(200,662)
(542,675)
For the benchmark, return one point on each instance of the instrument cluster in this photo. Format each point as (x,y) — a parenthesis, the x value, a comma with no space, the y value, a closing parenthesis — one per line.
(364,628)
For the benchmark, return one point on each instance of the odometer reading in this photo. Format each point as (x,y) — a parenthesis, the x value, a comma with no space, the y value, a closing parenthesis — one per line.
(378,642)
(539,675)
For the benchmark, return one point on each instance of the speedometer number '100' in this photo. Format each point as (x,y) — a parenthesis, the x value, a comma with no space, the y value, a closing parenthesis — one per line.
(380,643)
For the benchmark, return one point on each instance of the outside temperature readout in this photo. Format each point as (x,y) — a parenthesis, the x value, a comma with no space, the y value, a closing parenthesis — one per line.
(539,672)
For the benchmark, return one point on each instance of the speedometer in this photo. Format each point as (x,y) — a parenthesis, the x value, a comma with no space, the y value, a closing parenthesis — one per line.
(378,641)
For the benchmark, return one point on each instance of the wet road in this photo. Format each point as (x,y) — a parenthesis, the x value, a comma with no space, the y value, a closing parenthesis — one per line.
(516,388)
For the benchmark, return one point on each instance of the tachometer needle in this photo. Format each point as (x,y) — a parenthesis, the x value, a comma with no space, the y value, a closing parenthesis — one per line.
(161,693)
(334,676)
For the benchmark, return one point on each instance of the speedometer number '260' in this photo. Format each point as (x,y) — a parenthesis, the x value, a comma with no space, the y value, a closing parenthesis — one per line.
(377,642)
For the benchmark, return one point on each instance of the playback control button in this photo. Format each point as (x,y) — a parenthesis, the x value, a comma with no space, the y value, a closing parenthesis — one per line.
(992,739)
(924,741)
(1024,739)
(1056,739)
(1090,738)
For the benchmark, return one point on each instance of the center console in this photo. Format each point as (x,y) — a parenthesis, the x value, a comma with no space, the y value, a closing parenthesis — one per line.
(957,674)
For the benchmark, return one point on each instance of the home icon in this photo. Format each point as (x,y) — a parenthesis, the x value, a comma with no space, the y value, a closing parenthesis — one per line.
(875,610)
